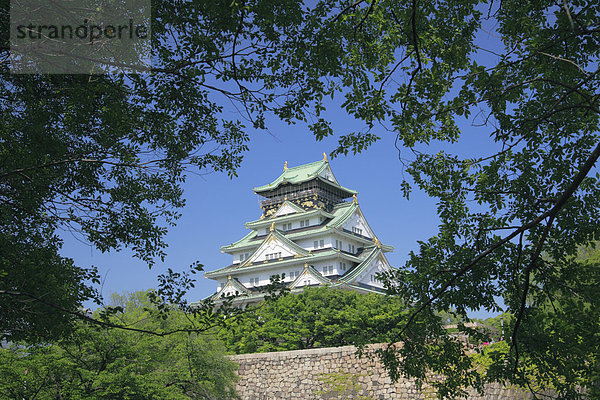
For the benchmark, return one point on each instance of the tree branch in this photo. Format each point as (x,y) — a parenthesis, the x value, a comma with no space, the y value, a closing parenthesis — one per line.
(576,182)
(104,324)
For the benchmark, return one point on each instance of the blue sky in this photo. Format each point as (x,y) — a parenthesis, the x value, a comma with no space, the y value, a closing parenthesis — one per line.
(217,206)
(220,206)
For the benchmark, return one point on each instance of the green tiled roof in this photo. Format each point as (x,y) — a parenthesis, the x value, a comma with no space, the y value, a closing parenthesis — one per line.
(261,295)
(299,174)
(375,252)
(262,223)
(362,266)
(240,243)
(290,204)
(248,297)
(310,270)
(341,212)
(236,268)
(281,238)
(237,285)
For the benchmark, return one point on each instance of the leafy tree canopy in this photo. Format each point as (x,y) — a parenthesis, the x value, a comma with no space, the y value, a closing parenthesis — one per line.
(526,74)
(316,317)
(106,156)
(97,363)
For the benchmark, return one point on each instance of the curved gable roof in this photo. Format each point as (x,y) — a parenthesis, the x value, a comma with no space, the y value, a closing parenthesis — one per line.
(303,173)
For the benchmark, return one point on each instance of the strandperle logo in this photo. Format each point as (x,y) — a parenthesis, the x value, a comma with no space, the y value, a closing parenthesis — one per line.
(80,36)
(84,31)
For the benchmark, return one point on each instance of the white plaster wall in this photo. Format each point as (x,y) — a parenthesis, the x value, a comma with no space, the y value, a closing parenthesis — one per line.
(272,247)
(327,174)
(285,210)
(309,244)
(237,256)
(357,221)
(375,267)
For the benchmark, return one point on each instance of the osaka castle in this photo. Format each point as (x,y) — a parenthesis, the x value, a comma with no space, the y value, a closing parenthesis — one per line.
(312,232)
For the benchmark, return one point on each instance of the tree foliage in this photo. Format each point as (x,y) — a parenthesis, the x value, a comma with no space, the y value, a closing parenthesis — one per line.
(514,213)
(100,363)
(106,157)
(339,385)
(316,317)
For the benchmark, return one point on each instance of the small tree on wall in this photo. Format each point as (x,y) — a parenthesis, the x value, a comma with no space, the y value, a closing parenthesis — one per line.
(342,385)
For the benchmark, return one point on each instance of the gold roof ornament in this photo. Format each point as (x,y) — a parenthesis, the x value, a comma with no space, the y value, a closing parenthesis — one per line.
(305,265)
(324,156)
(229,277)
(272,227)
(285,166)
(354,199)
(377,243)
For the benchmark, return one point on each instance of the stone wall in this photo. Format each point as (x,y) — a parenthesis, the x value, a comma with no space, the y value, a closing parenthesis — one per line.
(312,374)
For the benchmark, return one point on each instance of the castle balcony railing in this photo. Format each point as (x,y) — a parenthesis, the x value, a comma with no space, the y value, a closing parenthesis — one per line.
(302,194)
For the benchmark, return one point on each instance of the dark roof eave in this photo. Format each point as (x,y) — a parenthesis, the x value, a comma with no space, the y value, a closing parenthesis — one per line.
(338,187)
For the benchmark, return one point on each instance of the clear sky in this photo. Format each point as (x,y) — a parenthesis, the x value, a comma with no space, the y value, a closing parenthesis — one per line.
(217,206)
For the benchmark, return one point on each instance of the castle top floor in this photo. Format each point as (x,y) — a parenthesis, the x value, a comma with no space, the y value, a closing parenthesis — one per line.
(311,186)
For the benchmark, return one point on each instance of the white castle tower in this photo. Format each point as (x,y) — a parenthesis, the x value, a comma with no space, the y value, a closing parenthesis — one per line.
(311,231)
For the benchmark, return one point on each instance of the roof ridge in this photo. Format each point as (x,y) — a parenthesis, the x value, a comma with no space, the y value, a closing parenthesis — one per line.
(306,165)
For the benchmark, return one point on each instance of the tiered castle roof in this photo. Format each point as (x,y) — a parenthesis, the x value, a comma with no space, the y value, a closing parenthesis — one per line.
(309,233)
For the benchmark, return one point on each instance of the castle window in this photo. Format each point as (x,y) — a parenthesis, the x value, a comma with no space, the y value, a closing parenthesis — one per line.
(328,270)
(287,227)
(343,266)
(294,274)
(351,248)
(319,244)
(304,223)
(357,230)
(272,256)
